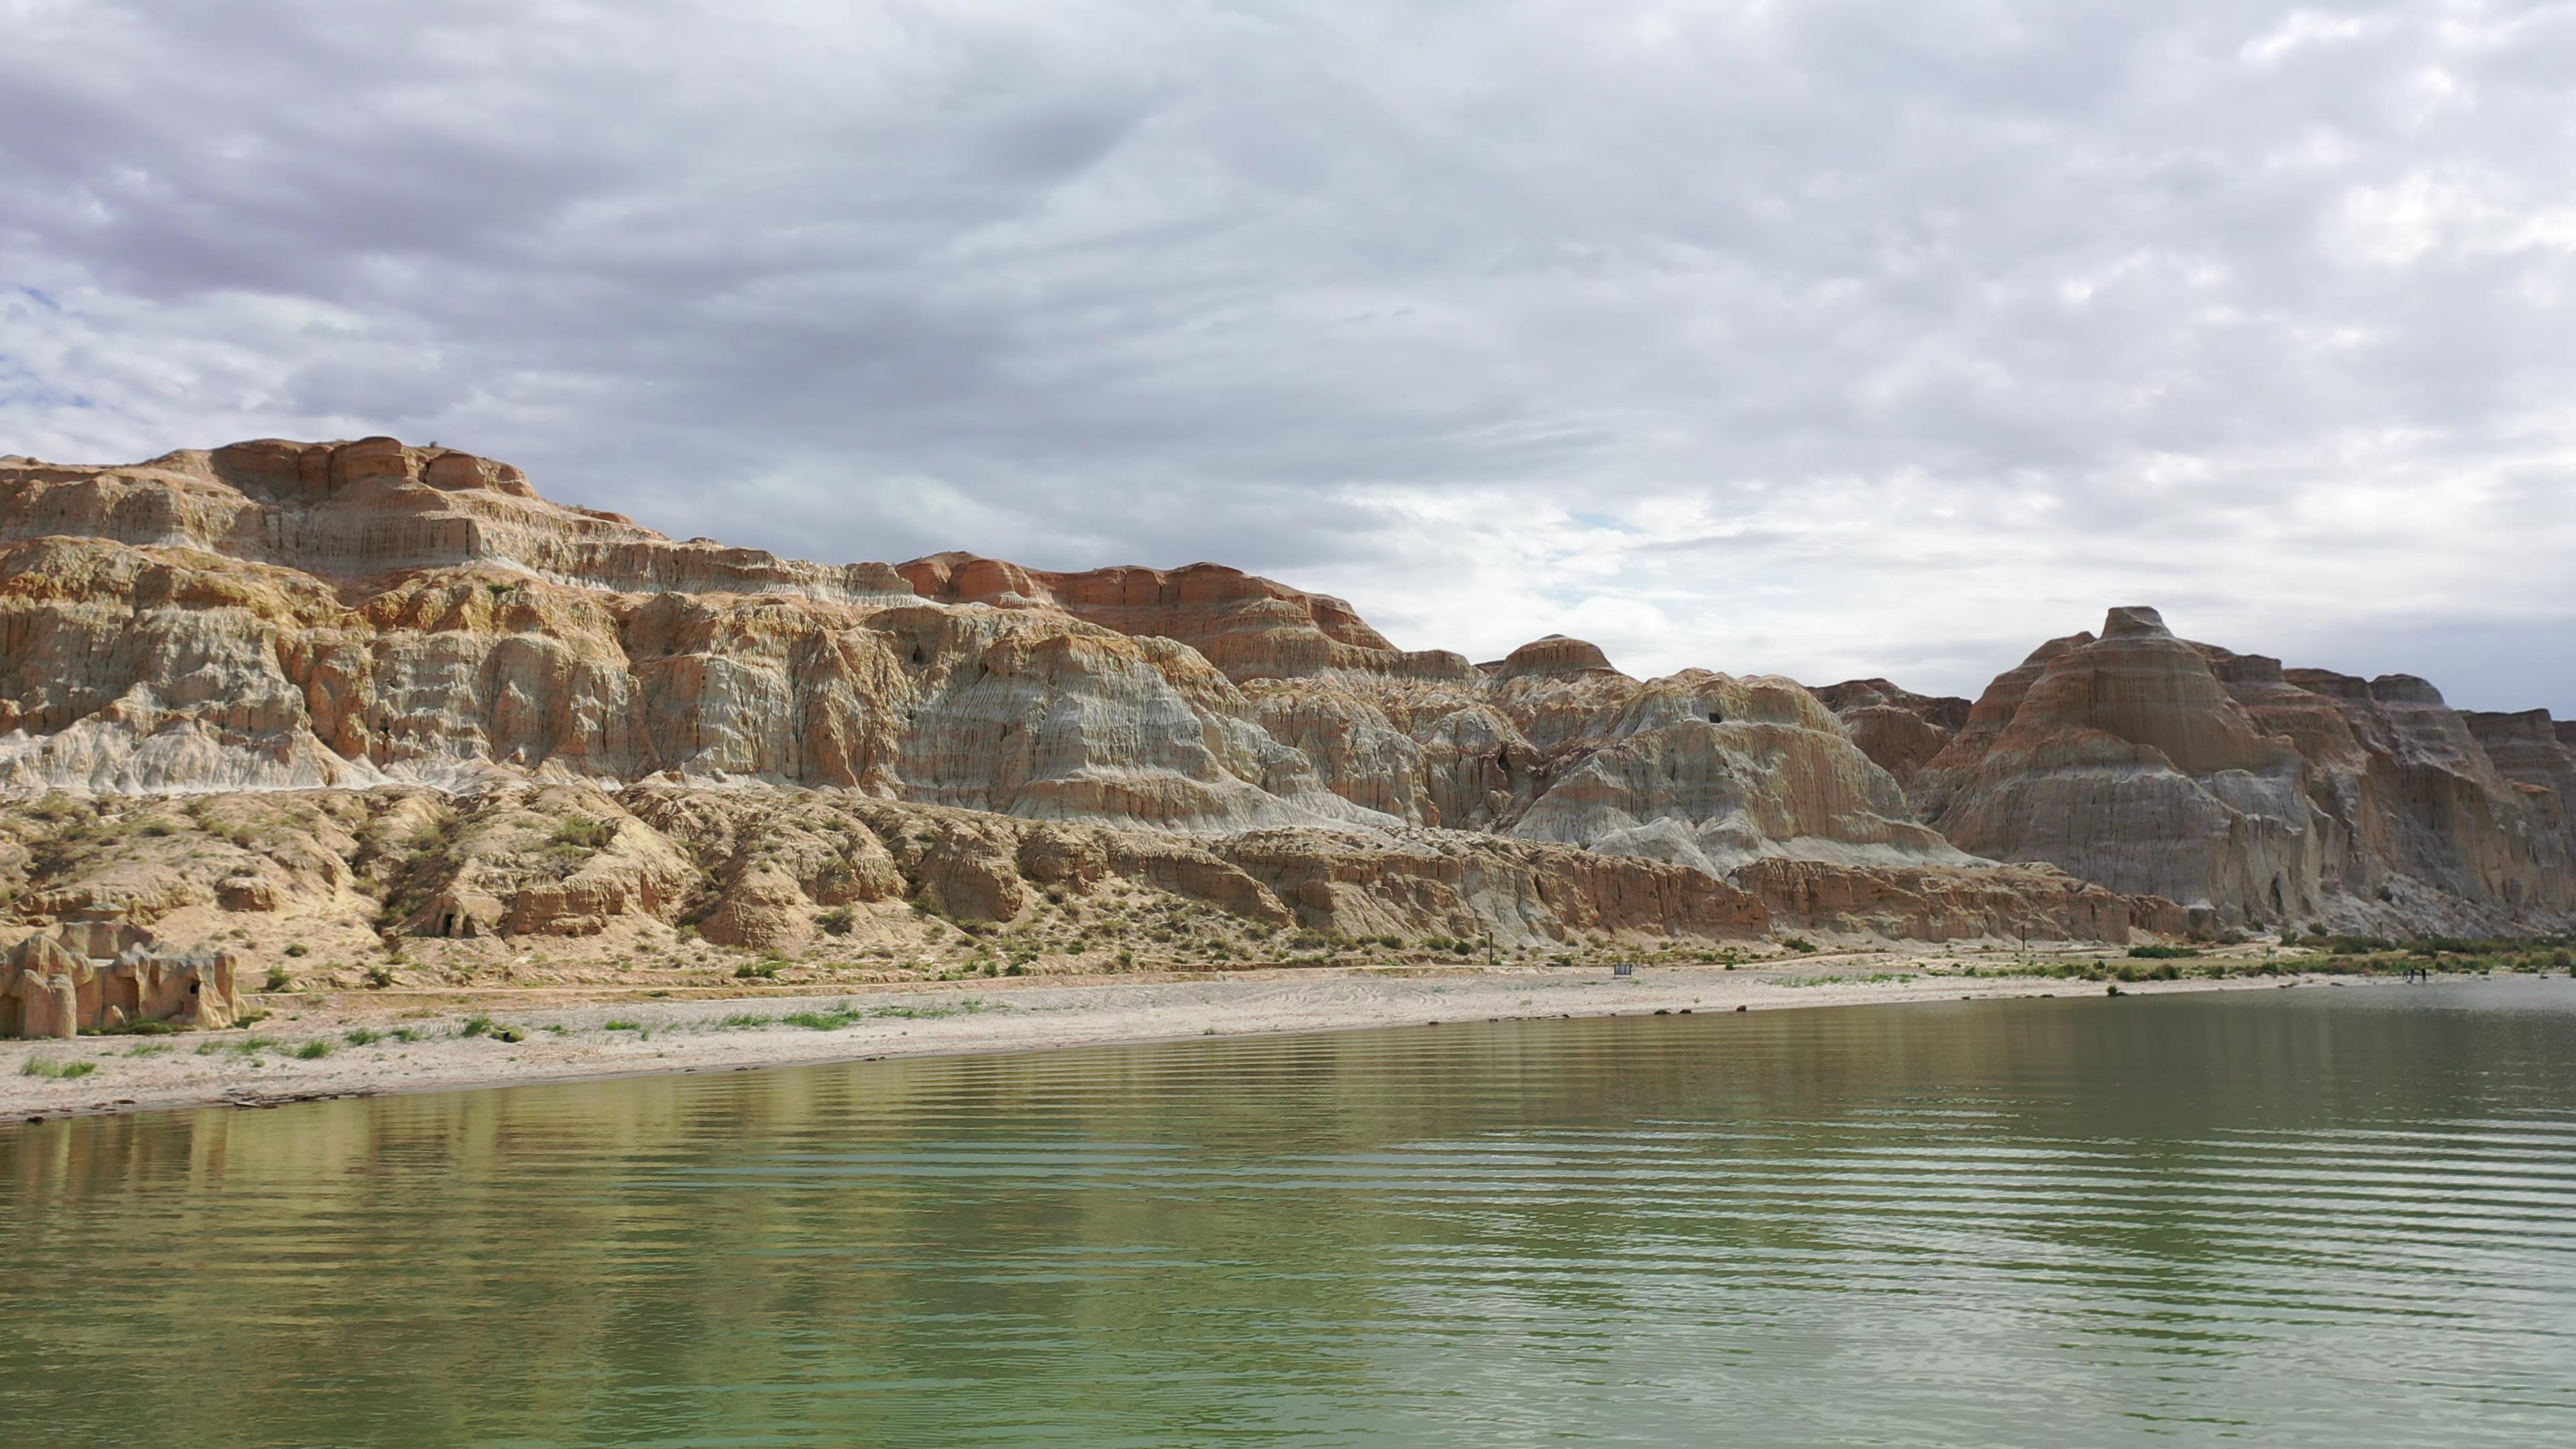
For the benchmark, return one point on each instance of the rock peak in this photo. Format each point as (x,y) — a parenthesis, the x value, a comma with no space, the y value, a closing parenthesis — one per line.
(1554,657)
(2134,620)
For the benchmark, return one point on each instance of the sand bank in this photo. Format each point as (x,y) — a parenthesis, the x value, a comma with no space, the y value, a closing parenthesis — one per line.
(372,1043)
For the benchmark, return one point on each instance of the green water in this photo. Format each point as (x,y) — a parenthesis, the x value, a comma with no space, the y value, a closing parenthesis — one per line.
(2337,1217)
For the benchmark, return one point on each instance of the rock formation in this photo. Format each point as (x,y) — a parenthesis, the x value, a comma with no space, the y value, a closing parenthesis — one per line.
(1898,729)
(98,972)
(2538,754)
(1249,627)
(2260,796)
(494,716)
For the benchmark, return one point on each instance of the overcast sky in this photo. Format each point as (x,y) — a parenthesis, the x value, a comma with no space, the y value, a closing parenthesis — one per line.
(1809,337)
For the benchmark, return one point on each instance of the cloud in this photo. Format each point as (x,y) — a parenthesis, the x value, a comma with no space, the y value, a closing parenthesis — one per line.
(1824,338)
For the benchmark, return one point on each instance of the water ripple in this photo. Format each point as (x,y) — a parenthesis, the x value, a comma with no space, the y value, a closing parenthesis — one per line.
(2064,1223)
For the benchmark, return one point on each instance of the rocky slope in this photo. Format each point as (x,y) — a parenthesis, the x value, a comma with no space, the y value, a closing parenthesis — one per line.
(1897,728)
(2258,796)
(492,716)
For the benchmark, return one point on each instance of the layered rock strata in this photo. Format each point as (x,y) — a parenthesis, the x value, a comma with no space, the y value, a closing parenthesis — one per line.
(340,874)
(2259,796)
(1898,729)
(276,615)
(404,885)
(371,617)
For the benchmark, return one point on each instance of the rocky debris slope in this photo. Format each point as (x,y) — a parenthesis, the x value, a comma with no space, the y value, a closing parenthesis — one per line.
(2259,796)
(409,886)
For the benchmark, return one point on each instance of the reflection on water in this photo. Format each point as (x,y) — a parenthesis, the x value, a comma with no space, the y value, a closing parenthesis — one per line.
(2340,1217)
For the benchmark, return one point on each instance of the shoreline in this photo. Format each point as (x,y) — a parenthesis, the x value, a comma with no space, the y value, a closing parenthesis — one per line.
(633,1033)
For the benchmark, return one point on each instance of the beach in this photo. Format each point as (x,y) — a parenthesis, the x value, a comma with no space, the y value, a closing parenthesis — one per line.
(360,1044)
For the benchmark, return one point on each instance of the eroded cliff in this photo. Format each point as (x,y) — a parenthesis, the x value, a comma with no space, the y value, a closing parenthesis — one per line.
(420,631)
(2260,796)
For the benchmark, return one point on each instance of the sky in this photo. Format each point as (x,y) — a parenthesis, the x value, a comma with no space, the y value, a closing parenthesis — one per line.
(1826,339)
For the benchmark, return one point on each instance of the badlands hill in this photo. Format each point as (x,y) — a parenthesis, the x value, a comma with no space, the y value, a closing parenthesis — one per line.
(2263,795)
(349,694)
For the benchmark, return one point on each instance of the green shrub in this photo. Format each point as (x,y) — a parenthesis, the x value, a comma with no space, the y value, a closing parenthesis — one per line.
(277,980)
(836,922)
(65,1071)
(2162,953)
(1799,944)
(624,1026)
(312,1051)
(583,833)
(362,1036)
(757,970)
(378,978)
(475,1026)
(298,949)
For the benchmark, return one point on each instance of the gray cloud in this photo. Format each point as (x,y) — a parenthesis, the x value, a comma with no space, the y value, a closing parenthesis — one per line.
(1818,337)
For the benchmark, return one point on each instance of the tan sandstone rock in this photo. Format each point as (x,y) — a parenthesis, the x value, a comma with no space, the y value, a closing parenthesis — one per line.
(601,717)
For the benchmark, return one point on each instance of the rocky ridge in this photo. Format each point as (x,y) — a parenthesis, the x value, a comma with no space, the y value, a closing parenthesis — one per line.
(510,718)
(2260,797)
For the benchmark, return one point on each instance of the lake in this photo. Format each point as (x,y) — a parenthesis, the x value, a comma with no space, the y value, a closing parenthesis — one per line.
(2329,1216)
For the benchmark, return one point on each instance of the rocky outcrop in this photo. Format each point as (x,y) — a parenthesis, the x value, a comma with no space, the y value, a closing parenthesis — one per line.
(274,615)
(1250,628)
(411,625)
(348,511)
(2123,760)
(99,972)
(2259,796)
(2538,754)
(1898,729)
(349,877)
(1934,903)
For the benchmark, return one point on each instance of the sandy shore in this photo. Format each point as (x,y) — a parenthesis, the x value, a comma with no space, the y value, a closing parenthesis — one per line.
(355,1044)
